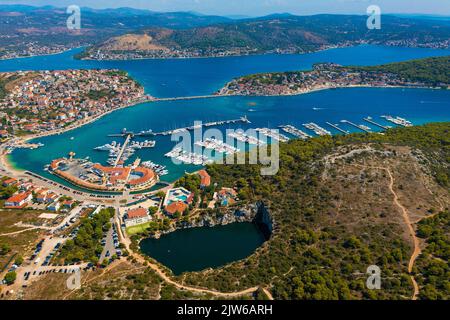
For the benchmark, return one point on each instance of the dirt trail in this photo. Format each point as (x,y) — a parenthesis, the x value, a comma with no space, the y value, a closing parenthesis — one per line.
(17,232)
(409,224)
(168,280)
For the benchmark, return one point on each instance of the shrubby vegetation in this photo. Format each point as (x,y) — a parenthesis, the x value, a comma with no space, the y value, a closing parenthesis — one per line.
(310,256)
(432,267)
(86,245)
(434,71)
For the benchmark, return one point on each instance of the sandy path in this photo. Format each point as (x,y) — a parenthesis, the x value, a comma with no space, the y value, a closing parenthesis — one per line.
(168,280)
(409,224)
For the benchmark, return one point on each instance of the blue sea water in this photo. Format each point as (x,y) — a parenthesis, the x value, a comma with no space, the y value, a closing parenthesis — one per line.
(186,250)
(188,77)
(180,77)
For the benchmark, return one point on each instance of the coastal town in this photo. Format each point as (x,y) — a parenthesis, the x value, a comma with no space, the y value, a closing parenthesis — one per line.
(35,102)
(33,48)
(323,76)
(59,217)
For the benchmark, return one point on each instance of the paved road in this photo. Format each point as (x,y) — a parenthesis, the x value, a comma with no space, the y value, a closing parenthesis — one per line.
(109,246)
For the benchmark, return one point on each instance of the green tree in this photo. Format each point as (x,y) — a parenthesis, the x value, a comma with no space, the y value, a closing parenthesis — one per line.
(10,277)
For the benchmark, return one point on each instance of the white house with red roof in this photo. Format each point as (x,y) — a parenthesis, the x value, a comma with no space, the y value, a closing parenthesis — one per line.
(19,200)
(136,217)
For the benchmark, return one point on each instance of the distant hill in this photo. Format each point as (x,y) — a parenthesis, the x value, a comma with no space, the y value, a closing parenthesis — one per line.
(288,33)
(25,30)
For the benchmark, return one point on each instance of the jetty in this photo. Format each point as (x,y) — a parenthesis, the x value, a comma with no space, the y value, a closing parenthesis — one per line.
(120,154)
(179,130)
(295,132)
(360,127)
(273,134)
(398,121)
(369,120)
(317,129)
(246,138)
(335,126)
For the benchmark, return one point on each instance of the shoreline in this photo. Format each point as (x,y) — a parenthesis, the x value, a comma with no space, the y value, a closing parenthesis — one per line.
(262,53)
(41,55)
(16,170)
(324,89)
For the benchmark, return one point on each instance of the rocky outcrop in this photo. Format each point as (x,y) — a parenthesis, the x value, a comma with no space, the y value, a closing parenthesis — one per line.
(256,213)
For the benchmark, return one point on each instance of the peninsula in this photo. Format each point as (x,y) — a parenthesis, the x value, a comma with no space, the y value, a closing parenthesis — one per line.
(412,74)
(35,102)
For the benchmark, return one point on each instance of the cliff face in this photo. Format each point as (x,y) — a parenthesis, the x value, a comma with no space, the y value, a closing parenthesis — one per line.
(255,213)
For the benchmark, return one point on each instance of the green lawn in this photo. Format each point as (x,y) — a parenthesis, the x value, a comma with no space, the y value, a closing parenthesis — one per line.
(137,229)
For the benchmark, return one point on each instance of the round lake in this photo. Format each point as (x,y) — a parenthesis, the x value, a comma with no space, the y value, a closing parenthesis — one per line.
(196,249)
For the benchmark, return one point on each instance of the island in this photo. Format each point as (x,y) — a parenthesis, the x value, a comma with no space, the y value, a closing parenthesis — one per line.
(412,74)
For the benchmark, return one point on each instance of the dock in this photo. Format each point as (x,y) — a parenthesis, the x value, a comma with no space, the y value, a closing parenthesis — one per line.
(119,156)
(356,126)
(295,131)
(398,121)
(317,129)
(369,120)
(179,130)
(337,128)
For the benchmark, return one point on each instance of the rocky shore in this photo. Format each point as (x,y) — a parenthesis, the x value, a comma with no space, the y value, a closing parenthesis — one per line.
(254,213)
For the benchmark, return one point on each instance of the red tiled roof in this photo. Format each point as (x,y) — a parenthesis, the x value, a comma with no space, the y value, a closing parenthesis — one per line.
(205,178)
(115,173)
(18,197)
(9,181)
(137,213)
(176,207)
(55,163)
(147,175)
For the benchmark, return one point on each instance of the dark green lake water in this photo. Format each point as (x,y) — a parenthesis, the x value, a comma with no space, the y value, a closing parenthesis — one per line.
(200,248)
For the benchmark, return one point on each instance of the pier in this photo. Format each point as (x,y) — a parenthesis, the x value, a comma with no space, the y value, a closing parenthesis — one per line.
(190,128)
(398,121)
(119,156)
(295,132)
(317,129)
(337,128)
(369,120)
(210,96)
(356,126)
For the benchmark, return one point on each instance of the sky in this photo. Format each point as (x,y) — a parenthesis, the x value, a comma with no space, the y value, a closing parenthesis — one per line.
(259,7)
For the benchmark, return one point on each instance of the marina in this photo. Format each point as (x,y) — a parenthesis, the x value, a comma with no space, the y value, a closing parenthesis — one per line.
(370,120)
(187,157)
(217,145)
(121,153)
(360,127)
(243,137)
(145,133)
(335,126)
(160,170)
(317,129)
(398,121)
(273,134)
(295,132)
